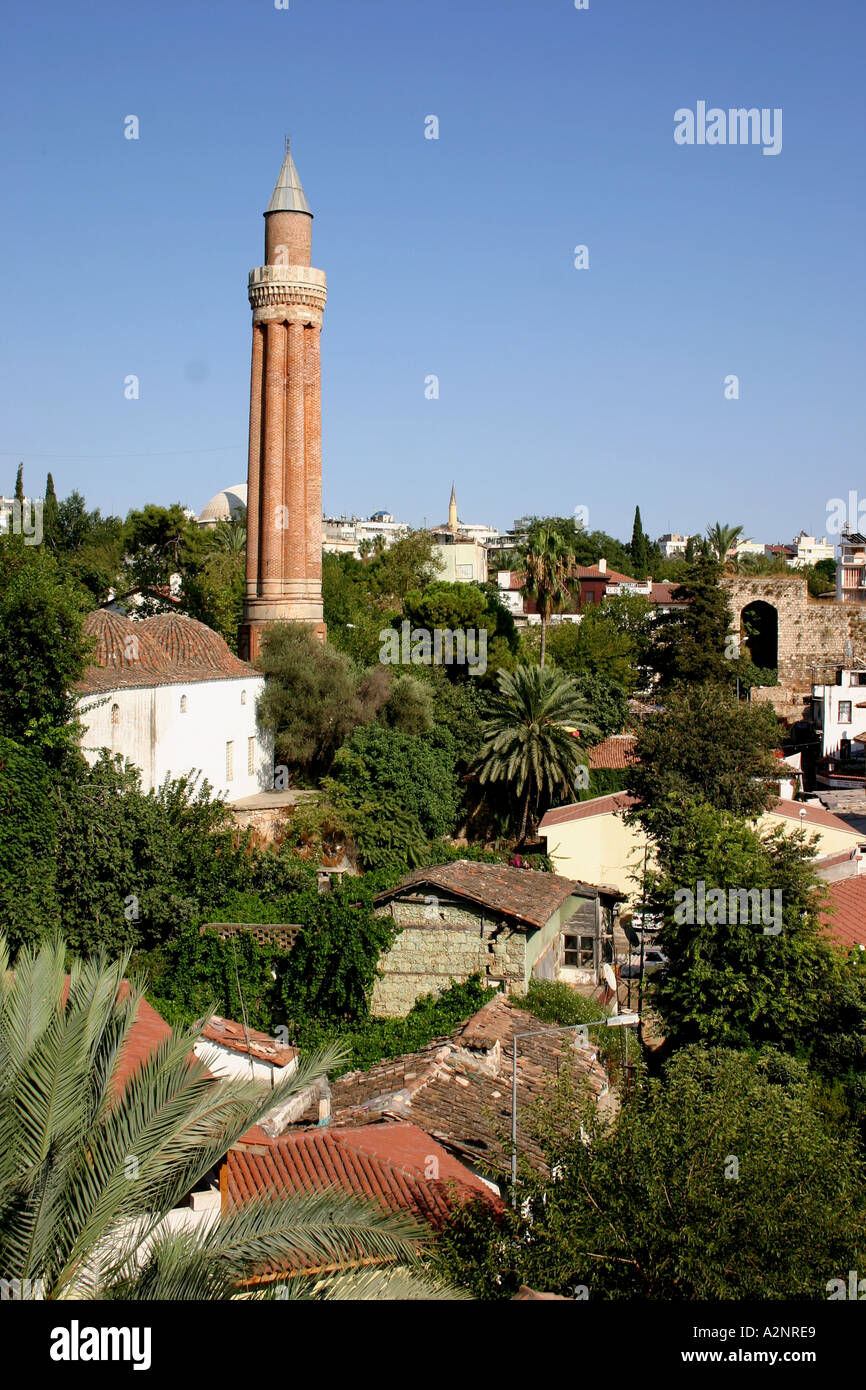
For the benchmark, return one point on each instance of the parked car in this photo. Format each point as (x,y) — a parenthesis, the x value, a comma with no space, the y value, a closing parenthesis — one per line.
(653,960)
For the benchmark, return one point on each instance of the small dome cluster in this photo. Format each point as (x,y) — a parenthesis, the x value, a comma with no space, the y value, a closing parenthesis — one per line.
(164,650)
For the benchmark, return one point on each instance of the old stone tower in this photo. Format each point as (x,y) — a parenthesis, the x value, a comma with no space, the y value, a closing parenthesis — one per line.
(284,481)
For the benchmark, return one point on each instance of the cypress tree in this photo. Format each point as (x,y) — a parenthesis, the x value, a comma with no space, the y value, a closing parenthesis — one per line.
(19,483)
(639,548)
(50,512)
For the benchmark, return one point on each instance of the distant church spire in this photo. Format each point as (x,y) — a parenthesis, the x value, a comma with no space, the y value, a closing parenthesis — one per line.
(452,511)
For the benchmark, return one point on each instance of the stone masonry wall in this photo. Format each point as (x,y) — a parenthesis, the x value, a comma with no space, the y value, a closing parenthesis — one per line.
(812,632)
(441,941)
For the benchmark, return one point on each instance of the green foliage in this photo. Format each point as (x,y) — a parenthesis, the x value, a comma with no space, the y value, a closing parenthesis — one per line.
(600,645)
(409,709)
(649,1207)
(395,792)
(44,648)
(548,559)
(639,548)
(28,816)
(380,1039)
(606,701)
(214,592)
(706,746)
(739,983)
(692,644)
(132,868)
(556,1003)
(466,607)
(529,739)
(314,697)
(821,577)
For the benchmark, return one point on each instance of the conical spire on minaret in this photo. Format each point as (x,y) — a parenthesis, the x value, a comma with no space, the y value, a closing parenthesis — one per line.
(288,195)
(452,511)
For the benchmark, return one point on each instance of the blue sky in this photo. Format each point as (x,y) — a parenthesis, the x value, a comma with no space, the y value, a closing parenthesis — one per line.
(559,387)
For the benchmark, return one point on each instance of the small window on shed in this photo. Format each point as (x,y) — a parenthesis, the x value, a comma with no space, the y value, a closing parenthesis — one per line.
(579,951)
(183,704)
(115,714)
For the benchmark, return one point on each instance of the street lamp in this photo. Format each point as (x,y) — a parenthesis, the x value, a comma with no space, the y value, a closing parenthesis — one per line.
(627,1020)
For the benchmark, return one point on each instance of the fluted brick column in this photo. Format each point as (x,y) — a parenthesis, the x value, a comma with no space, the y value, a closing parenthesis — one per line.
(313,447)
(255,464)
(273,425)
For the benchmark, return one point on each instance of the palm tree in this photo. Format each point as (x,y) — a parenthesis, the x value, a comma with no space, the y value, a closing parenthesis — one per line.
(721,538)
(547,561)
(530,737)
(91,1166)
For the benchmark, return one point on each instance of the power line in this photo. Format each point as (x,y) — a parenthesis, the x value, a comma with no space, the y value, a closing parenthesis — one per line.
(160,453)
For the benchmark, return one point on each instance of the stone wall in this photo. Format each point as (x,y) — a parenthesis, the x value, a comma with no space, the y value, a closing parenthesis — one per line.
(443,940)
(812,632)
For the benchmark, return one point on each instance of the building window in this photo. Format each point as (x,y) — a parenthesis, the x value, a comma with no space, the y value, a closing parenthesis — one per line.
(183,704)
(230,761)
(579,952)
(844,711)
(251,755)
(115,714)
(243,697)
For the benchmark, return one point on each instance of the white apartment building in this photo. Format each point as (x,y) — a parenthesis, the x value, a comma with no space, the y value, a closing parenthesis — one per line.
(839,714)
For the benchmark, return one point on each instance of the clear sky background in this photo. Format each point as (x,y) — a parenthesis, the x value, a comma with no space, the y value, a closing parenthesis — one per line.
(559,387)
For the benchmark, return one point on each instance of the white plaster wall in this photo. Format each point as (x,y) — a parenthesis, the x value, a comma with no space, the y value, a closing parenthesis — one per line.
(153,733)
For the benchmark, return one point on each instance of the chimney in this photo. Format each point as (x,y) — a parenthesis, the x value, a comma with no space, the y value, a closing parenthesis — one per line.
(602,565)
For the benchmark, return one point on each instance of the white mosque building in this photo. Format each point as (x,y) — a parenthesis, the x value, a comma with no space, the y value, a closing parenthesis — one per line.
(168,694)
(228,505)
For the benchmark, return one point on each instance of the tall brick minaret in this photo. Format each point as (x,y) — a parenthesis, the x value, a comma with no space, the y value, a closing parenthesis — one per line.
(284,481)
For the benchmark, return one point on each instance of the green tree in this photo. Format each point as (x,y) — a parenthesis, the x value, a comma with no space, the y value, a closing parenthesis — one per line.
(606,701)
(705,746)
(530,741)
(741,983)
(693,644)
(416,772)
(722,538)
(50,513)
(597,646)
(547,562)
(722,1180)
(314,697)
(131,867)
(19,483)
(71,1215)
(44,649)
(28,817)
(639,547)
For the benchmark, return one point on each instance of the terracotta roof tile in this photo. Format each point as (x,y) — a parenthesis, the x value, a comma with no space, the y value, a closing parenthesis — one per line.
(389,1162)
(169,649)
(814,816)
(845,915)
(614,752)
(249,1041)
(458,1090)
(529,895)
(583,810)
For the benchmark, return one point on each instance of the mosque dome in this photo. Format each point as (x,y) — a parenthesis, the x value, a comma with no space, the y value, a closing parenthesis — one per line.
(225,506)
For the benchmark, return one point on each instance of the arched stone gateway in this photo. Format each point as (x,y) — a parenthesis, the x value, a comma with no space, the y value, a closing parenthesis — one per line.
(811,634)
(760,624)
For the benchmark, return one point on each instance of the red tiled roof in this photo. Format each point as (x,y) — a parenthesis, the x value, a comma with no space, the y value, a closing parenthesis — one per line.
(583,810)
(389,1162)
(529,895)
(815,816)
(458,1089)
(144,1037)
(664,593)
(614,752)
(249,1041)
(168,649)
(845,915)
